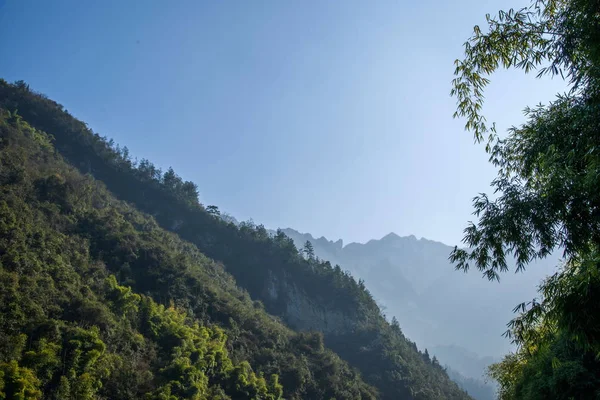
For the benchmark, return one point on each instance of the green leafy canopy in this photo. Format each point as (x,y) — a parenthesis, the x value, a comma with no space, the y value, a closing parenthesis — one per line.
(548,193)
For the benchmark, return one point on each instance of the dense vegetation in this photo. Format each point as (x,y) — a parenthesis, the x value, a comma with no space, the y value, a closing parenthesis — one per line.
(67,235)
(549,194)
(69,330)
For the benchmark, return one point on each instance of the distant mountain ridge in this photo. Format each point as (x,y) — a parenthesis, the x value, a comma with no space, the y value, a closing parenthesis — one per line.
(459,317)
(396,267)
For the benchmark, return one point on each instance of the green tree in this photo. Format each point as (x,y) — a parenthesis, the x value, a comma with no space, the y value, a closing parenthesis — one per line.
(18,383)
(548,188)
(213,210)
(309,250)
(171,180)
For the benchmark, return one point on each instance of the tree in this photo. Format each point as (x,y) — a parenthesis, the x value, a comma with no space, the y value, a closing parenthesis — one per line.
(426,356)
(309,250)
(396,325)
(18,383)
(547,167)
(213,210)
(171,180)
(548,188)
(558,37)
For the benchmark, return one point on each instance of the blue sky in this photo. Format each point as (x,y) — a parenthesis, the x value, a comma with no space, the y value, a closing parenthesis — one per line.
(330,117)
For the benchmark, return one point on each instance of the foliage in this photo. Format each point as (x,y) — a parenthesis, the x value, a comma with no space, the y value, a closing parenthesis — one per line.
(557,370)
(548,185)
(556,36)
(134,250)
(18,383)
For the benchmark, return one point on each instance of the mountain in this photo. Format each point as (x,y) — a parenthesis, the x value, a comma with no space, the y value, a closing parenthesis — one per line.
(98,302)
(459,317)
(413,279)
(116,282)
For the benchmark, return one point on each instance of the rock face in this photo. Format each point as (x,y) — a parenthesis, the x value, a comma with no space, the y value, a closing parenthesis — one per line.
(304,313)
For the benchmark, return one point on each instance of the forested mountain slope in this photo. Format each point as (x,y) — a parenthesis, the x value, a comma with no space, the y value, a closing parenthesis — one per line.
(66,235)
(69,330)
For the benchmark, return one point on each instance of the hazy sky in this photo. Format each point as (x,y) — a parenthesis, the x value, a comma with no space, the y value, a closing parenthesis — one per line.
(330,117)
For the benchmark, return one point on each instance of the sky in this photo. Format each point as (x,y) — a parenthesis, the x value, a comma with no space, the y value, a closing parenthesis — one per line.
(329,117)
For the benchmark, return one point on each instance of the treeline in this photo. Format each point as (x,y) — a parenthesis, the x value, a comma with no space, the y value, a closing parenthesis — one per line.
(258,261)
